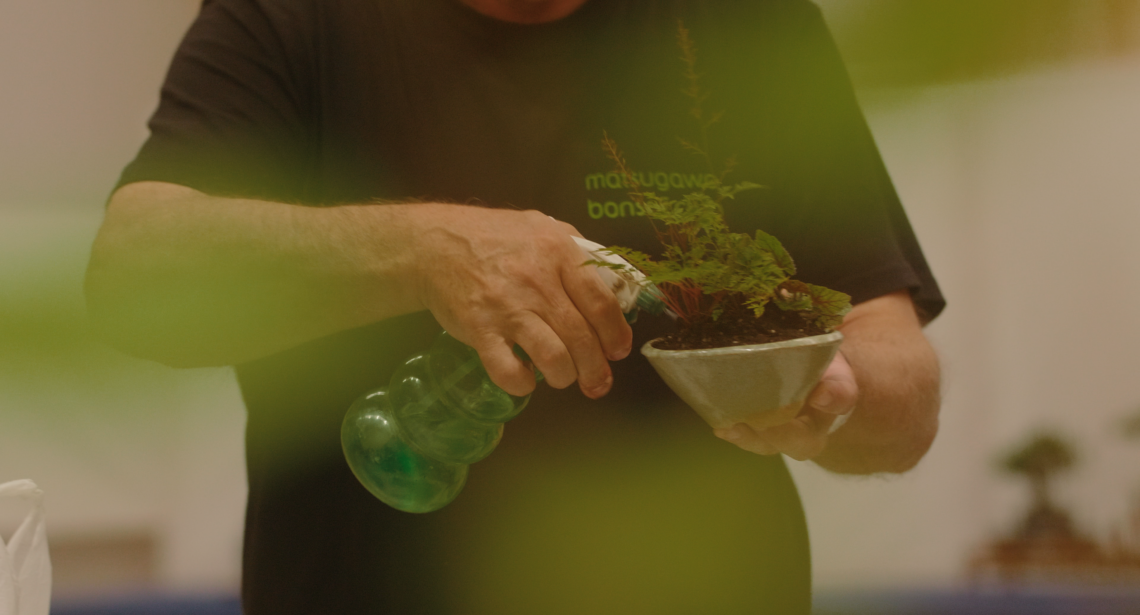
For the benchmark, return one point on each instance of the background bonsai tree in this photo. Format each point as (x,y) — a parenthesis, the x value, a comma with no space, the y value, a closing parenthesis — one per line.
(1040,460)
(706,273)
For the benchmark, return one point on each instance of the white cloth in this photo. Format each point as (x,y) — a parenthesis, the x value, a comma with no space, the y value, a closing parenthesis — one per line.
(25,568)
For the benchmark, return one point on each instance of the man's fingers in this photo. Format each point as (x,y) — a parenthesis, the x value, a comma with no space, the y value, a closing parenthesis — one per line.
(597,304)
(517,277)
(590,364)
(547,349)
(746,438)
(505,368)
(803,437)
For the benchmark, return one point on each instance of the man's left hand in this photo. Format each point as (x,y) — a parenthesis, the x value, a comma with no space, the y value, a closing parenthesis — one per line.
(893,377)
(805,436)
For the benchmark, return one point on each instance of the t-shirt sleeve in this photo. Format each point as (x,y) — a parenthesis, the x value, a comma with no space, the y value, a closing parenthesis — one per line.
(838,212)
(233,117)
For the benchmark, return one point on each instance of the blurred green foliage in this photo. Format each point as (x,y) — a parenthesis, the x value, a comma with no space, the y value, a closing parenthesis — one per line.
(48,357)
(922,42)
(1042,456)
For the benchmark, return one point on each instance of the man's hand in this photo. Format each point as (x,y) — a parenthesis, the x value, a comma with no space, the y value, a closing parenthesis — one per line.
(495,278)
(805,436)
(886,376)
(190,280)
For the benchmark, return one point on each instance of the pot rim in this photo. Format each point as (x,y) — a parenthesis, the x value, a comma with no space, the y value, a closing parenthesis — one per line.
(812,340)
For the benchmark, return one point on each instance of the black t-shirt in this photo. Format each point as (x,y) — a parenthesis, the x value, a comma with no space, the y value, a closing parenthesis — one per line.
(623,505)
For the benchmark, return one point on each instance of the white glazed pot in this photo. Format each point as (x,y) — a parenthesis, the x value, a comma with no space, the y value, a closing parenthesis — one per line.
(761,384)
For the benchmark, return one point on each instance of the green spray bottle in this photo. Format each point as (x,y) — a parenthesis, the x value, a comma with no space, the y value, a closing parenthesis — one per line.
(410,443)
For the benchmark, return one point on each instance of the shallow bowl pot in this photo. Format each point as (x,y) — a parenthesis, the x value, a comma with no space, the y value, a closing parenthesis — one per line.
(762,384)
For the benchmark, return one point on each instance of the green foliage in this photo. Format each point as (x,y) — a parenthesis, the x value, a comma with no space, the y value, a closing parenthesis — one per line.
(706,270)
(1042,456)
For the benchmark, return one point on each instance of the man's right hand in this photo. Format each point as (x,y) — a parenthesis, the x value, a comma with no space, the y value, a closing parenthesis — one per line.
(190,279)
(495,278)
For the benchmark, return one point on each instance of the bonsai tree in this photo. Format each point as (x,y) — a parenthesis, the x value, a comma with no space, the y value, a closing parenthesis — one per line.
(1040,460)
(709,276)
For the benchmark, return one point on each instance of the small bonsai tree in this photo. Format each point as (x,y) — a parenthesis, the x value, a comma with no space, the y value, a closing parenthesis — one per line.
(706,272)
(1040,460)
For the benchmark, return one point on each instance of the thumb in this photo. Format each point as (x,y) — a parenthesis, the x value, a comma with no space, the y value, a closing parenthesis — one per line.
(837,391)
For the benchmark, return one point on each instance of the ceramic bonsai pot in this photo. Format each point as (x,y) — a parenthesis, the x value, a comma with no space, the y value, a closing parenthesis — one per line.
(762,384)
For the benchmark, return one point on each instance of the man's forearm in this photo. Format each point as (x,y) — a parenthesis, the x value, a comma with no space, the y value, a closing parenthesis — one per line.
(191,280)
(896,418)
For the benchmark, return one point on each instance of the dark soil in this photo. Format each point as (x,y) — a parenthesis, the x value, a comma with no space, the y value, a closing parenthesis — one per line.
(738,330)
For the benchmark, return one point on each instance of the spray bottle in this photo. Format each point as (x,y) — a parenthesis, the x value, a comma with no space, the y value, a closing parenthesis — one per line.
(410,443)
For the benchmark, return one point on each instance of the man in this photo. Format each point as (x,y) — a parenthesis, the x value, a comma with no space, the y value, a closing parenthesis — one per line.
(309,209)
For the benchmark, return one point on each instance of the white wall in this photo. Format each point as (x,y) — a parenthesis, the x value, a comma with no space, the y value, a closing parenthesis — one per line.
(1024,193)
(121,447)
